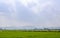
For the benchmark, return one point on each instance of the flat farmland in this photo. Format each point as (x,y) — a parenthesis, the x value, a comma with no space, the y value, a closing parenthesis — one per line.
(20,34)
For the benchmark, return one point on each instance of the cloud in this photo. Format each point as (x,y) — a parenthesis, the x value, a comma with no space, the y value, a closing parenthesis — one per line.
(36,5)
(16,13)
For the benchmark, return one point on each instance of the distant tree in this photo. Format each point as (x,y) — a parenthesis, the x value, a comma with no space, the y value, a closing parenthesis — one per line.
(1,29)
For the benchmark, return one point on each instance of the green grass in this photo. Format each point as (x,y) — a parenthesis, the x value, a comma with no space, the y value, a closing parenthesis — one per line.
(20,34)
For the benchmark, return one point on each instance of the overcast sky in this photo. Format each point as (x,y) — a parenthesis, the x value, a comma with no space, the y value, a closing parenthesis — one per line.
(15,13)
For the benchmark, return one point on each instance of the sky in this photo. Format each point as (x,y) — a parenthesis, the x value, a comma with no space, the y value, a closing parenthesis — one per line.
(39,13)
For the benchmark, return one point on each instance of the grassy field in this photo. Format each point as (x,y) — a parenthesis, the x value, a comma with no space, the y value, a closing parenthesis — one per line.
(20,34)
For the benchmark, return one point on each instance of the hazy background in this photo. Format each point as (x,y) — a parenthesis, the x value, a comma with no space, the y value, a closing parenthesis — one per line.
(29,13)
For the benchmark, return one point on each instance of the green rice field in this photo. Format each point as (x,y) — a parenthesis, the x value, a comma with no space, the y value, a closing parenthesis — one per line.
(20,34)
